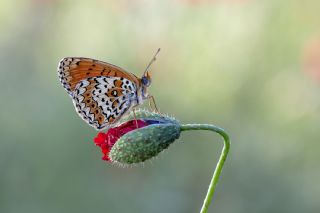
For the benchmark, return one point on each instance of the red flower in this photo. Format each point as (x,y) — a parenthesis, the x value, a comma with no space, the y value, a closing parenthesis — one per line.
(106,140)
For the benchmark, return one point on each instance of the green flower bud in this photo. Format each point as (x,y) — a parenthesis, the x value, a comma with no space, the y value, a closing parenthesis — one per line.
(139,137)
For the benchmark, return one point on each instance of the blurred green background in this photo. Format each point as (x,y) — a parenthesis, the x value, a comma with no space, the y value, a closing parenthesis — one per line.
(249,66)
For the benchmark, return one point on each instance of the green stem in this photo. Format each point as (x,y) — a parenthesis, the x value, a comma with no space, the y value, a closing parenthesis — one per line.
(220,163)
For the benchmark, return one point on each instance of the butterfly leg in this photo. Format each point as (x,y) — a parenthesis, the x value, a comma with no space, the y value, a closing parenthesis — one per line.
(151,99)
(135,117)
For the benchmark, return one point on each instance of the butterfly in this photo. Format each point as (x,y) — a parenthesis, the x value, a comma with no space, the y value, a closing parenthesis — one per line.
(101,92)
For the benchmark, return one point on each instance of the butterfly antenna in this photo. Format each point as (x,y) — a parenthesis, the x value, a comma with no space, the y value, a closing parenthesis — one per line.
(152,60)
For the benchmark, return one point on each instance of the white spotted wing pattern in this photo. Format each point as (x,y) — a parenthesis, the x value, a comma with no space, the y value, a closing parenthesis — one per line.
(102,100)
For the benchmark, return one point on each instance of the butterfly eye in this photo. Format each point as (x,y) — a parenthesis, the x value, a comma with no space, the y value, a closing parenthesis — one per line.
(145,81)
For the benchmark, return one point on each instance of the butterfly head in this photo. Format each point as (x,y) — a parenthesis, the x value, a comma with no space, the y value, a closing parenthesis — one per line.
(146,79)
(145,83)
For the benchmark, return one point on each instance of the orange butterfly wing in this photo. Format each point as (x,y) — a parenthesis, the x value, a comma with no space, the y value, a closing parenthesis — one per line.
(72,70)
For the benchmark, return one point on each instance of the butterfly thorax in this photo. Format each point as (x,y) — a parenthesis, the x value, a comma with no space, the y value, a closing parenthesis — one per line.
(142,94)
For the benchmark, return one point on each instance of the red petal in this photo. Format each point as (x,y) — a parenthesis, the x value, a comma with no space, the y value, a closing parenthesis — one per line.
(106,158)
(106,140)
(112,139)
(131,125)
(101,138)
